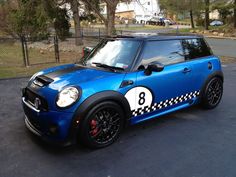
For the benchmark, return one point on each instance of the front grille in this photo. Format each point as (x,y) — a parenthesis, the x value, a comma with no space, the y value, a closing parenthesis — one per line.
(30,97)
(34,122)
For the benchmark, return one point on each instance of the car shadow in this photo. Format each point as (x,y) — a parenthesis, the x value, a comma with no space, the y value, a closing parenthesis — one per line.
(129,132)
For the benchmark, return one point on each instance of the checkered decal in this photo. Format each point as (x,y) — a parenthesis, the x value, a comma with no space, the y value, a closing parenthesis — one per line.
(164,104)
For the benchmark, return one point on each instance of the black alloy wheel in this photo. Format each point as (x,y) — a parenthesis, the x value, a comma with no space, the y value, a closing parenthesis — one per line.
(102,125)
(213,93)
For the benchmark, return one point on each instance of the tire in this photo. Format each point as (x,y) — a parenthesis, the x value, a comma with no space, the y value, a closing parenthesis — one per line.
(102,125)
(212,93)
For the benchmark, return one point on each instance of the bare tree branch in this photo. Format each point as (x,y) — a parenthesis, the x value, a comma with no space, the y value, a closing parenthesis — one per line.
(95,9)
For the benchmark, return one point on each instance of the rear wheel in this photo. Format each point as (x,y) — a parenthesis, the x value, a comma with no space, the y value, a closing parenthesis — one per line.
(212,93)
(102,125)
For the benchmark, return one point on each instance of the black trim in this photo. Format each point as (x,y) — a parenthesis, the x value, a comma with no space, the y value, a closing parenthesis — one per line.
(137,57)
(59,72)
(90,102)
(29,94)
(42,80)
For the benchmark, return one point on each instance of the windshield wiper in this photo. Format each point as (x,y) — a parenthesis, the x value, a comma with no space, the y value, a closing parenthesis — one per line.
(113,68)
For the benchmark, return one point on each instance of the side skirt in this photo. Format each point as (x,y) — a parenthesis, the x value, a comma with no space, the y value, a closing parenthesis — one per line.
(134,120)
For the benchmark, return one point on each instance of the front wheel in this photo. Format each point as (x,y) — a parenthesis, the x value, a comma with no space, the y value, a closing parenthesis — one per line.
(212,93)
(102,125)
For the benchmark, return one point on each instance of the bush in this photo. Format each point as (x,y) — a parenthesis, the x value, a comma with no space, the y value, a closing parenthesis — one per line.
(200,22)
(62,24)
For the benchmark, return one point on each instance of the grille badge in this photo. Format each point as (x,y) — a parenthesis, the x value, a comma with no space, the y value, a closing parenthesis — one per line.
(37,103)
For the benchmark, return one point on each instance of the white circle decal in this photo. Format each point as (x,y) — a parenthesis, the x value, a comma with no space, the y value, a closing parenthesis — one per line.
(139,97)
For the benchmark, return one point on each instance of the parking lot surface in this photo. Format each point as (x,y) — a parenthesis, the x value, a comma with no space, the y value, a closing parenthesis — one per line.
(188,143)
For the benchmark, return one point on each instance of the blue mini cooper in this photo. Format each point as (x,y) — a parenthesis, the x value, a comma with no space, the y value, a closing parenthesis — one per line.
(123,80)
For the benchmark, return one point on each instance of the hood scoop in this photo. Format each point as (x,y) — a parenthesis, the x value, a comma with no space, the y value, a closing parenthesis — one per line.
(42,81)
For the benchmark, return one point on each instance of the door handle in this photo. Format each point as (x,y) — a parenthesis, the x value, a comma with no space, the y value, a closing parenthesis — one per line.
(186,70)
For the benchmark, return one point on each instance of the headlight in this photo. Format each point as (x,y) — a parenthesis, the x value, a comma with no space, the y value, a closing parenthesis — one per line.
(67,97)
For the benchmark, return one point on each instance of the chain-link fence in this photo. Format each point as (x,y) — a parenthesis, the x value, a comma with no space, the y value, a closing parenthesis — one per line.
(26,52)
(24,56)
(10,52)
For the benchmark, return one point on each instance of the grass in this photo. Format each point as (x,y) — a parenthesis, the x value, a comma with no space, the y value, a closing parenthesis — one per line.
(137,28)
(2,34)
(216,28)
(227,60)
(12,65)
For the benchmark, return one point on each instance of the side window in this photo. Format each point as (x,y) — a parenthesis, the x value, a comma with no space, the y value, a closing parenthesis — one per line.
(165,52)
(195,48)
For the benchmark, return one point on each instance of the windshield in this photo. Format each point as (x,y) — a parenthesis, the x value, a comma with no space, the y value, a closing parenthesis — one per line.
(114,53)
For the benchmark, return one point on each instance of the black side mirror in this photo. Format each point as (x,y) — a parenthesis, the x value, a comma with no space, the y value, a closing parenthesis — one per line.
(153,67)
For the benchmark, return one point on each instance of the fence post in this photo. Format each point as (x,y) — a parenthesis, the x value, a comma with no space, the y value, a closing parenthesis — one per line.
(99,34)
(82,32)
(56,48)
(24,51)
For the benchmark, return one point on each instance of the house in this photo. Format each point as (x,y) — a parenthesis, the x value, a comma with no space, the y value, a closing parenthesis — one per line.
(215,15)
(140,10)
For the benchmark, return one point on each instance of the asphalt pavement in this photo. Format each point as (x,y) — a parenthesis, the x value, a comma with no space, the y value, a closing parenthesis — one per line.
(223,47)
(188,143)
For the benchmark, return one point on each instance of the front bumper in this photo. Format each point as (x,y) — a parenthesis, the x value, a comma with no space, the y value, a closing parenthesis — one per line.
(31,127)
(52,126)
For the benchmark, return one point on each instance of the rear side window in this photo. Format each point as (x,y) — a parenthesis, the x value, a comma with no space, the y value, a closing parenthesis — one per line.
(165,52)
(195,48)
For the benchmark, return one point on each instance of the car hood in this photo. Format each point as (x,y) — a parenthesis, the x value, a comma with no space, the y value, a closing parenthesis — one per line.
(59,77)
(48,83)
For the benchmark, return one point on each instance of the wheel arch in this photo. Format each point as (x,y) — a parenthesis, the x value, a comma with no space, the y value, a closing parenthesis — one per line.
(218,74)
(105,96)
(91,101)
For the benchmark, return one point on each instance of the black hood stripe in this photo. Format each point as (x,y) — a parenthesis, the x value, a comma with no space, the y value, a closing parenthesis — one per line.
(61,72)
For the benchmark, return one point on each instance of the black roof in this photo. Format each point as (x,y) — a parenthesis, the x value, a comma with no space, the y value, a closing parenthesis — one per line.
(158,36)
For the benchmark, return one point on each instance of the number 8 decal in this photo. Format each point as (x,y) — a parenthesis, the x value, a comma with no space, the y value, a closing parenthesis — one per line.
(139,97)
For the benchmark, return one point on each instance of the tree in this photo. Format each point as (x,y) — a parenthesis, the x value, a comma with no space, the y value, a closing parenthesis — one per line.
(29,19)
(74,7)
(109,20)
(5,7)
(111,10)
(207,11)
(61,23)
(34,18)
(191,14)
(74,4)
(182,7)
(224,8)
(234,13)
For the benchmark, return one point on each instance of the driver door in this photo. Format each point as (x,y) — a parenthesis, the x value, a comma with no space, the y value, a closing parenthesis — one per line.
(165,90)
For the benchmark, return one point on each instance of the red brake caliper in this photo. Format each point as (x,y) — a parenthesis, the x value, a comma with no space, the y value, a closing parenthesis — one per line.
(94,127)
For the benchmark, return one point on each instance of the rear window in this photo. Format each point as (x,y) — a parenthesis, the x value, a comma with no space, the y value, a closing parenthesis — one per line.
(195,48)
